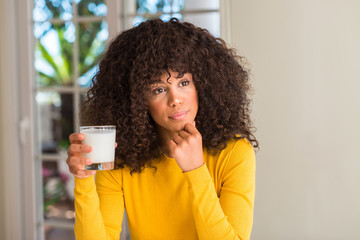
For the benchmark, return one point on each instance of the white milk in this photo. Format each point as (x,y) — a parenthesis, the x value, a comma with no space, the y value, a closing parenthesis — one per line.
(102,142)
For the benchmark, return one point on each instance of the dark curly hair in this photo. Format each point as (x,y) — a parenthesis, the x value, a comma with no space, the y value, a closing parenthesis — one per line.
(138,56)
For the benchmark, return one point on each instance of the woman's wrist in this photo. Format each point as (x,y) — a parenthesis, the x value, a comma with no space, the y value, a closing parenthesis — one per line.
(189,169)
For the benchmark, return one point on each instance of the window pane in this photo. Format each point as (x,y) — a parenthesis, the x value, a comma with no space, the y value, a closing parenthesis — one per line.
(58,187)
(200,4)
(92,44)
(155,6)
(130,22)
(52,233)
(167,17)
(54,53)
(56,120)
(210,21)
(151,7)
(47,9)
(92,8)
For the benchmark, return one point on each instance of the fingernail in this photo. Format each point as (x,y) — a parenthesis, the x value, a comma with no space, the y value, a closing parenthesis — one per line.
(87,148)
(88,161)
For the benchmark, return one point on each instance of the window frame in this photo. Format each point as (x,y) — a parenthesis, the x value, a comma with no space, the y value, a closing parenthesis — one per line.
(73,89)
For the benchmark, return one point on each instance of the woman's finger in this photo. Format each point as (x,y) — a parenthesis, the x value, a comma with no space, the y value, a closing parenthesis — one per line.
(79,170)
(76,138)
(183,134)
(71,160)
(171,148)
(78,161)
(74,167)
(177,139)
(78,148)
(190,128)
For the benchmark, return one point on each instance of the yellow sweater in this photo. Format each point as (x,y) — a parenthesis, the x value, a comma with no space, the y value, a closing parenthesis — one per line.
(214,201)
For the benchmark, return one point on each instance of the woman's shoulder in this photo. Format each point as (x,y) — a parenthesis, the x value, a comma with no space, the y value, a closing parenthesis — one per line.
(238,146)
(236,158)
(237,150)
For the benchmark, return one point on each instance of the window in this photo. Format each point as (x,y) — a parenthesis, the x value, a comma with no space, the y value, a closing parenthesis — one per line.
(204,13)
(70,37)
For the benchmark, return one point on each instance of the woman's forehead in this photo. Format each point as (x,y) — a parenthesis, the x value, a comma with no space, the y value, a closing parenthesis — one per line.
(165,76)
(171,74)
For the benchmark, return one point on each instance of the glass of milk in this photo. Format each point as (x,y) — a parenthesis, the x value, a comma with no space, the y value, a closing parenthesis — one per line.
(102,141)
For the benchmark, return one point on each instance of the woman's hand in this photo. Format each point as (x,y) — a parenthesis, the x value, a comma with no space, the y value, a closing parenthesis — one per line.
(75,159)
(186,148)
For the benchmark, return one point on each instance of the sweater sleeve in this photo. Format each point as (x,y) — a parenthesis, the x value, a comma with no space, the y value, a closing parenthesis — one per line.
(99,206)
(229,216)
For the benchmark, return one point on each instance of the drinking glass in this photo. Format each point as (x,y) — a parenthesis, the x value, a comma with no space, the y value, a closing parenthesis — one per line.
(102,141)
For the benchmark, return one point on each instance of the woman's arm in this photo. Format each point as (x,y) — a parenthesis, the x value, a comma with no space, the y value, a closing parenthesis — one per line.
(99,208)
(94,205)
(229,216)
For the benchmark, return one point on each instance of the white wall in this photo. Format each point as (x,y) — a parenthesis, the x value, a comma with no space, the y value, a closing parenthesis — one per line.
(10,207)
(305,62)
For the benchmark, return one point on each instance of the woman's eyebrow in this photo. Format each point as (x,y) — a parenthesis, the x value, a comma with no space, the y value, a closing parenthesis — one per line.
(156,81)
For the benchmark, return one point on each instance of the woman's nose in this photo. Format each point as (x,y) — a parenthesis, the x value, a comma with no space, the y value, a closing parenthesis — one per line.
(175,98)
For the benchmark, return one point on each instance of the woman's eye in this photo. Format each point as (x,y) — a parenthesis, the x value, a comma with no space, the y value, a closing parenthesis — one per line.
(157,91)
(184,83)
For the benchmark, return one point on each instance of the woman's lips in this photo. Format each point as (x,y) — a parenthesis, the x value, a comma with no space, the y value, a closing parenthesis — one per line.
(180,115)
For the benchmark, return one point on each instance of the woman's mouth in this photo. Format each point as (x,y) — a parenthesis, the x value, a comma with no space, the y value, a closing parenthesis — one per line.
(180,115)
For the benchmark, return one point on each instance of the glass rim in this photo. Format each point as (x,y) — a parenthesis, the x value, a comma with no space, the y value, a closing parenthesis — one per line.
(98,127)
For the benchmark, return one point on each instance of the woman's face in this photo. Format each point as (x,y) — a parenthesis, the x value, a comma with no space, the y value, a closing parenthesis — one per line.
(173,102)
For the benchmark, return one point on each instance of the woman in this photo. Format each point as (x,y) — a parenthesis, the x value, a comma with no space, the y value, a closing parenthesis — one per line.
(184,156)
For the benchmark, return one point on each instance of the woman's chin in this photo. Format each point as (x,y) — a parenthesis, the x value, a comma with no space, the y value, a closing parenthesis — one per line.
(175,127)
(178,128)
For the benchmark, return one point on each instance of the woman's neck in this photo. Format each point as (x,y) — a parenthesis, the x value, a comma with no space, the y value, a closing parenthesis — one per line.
(165,137)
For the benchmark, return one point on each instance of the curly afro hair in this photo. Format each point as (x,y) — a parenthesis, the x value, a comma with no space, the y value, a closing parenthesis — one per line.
(143,53)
